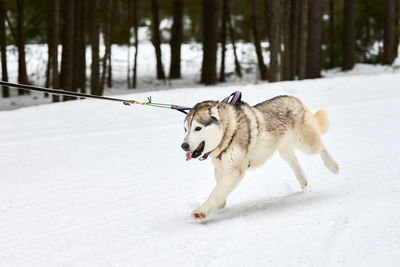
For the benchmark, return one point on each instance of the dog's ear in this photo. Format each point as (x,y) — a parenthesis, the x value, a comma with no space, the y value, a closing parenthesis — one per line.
(214,113)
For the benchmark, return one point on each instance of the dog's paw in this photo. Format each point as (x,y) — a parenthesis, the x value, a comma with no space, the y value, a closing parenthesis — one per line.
(199,215)
(220,207)
(304,185)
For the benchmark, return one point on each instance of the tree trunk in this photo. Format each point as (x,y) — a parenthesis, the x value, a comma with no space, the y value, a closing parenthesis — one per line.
(238,69)
(223,39)
(135,27)
(156,39)
(294,35)
(349,38)
(274,28)
(48,68)
(129,13)
(303,31)
(78,12)
(332,38)
(313,65)
(3,47)
(110,40)
(22,75)
(256,39)
(388,42)
(53,46)
(107,42)
(67,59)
(82,48)
(12,29)
(94,40)
(397,29)
(176,40)
(208,69)
(287,40)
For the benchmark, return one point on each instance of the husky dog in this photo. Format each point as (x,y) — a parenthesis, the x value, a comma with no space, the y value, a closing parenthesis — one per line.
(238,137)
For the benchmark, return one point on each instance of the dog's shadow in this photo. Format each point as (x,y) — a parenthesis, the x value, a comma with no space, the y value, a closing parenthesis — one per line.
(276,204)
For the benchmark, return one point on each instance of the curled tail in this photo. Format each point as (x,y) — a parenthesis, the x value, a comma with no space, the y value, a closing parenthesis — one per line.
(322,117)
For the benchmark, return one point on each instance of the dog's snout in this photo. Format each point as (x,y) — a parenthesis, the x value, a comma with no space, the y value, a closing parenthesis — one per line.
(185,146)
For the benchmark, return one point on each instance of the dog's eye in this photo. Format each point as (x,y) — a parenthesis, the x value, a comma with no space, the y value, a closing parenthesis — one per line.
(197,129)
(185,130)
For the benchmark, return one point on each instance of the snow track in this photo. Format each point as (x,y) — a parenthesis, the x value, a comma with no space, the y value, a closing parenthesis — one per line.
(92,183)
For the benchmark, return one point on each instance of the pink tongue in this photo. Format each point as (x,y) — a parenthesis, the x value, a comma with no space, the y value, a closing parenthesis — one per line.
(188,155)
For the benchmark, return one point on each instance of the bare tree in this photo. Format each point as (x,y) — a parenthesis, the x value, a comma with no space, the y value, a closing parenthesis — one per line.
(22,75)
(349,34)
(3,47)
(313,66)
(389,34)
(156,38)
(176,40)
(256,39)
(208,69)
(274,40)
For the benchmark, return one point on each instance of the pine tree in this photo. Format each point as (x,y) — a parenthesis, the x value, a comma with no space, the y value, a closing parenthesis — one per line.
(274,28)
(238,69)
(256,39)
(22,75)
(332,35)
(67,59)
(176,40)
(135,27)
(95,88)
(313,65)
(208,69)
(389,34)
(349,36)
(3,47)
(156,38)
(303,32)
(223,40)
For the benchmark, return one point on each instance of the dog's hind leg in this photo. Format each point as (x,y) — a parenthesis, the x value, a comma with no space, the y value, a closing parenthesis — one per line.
(329,162)
(288,155)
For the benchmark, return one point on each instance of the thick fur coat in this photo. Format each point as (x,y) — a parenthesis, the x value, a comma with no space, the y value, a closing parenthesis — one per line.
(238,137)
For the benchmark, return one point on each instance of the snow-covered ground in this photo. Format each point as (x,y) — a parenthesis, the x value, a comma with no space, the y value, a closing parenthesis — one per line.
(95,183)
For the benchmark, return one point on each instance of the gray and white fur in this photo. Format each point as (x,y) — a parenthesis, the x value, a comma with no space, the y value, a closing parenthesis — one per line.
(238,137)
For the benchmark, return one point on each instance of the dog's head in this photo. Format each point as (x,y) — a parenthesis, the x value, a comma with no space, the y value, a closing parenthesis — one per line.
(203,131)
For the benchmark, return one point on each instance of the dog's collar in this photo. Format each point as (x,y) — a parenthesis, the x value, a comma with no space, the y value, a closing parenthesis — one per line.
(205,156)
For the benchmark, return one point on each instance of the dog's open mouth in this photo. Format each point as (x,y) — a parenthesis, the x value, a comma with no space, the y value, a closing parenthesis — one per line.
(196,153)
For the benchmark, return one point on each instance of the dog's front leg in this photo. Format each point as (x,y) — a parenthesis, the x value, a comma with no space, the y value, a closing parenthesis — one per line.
(218,196)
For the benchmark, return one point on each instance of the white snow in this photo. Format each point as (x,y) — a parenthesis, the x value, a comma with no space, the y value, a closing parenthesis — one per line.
(93,183)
